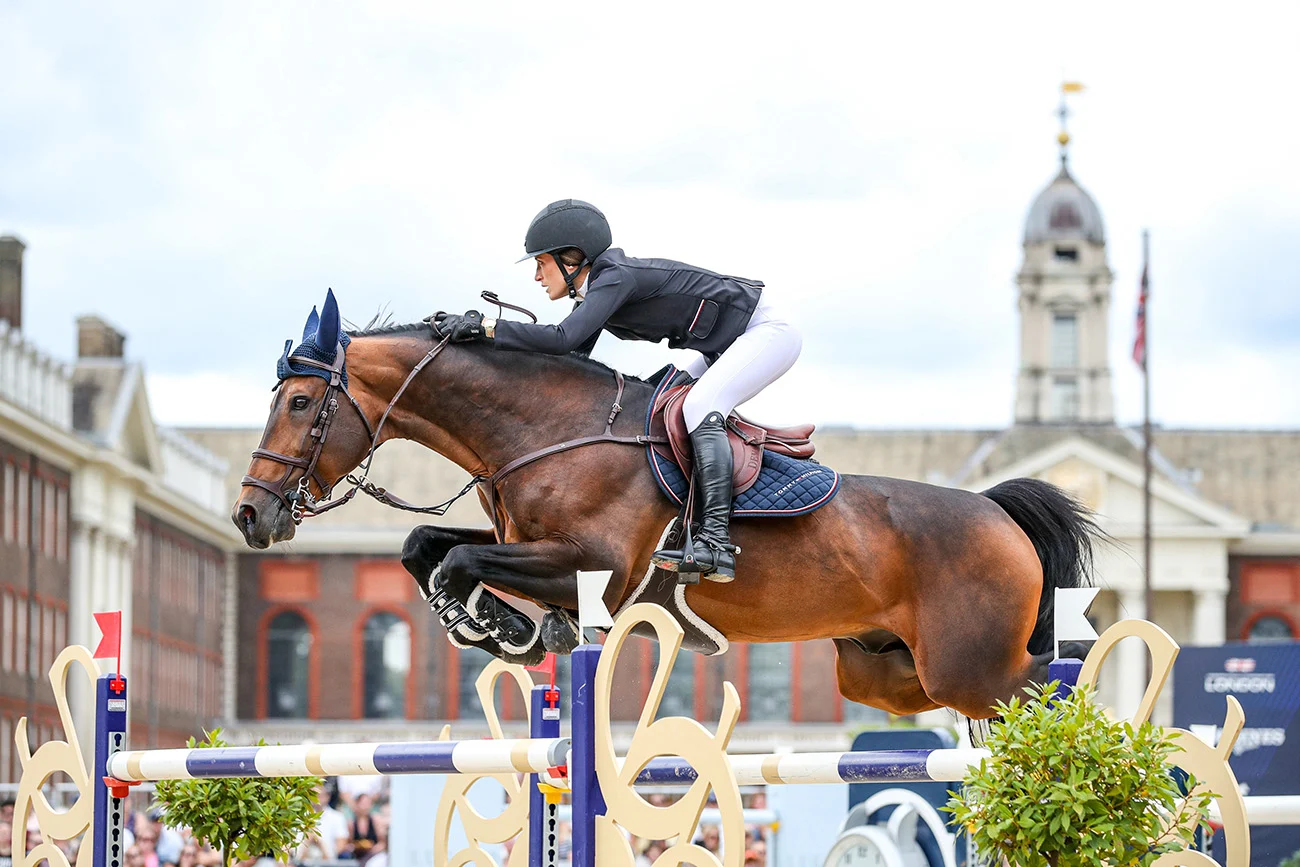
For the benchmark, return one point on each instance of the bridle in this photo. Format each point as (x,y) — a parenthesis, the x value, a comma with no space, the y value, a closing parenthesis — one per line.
(297,498)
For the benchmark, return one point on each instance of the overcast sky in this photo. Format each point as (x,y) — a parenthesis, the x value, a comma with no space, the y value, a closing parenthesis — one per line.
(198,174)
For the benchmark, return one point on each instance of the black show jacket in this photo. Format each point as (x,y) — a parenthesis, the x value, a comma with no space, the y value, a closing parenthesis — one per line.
(645,299)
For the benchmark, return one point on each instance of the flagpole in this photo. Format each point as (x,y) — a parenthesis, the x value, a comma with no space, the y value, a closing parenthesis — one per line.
(1149,593)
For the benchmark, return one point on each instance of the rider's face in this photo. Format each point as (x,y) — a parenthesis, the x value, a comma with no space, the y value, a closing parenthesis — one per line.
(549,275)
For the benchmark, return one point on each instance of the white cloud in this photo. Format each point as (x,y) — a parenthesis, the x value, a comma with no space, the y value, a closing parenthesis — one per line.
(200,175)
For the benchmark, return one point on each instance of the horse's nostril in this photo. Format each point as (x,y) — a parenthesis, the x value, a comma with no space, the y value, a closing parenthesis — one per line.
(246,516)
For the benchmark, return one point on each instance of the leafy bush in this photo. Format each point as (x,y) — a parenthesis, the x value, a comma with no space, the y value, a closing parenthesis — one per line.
(244,817)
(1067,786)
(1293,861)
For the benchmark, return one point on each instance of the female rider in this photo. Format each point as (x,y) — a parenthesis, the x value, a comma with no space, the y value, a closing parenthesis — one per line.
(744,343)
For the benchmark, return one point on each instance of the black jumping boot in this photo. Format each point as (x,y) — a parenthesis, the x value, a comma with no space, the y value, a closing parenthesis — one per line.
(709,552)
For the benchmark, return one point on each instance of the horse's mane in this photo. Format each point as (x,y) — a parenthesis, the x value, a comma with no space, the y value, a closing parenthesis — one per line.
(422,328)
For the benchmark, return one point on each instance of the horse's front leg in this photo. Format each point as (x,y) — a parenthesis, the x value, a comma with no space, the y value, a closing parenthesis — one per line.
(426,547)
(544,571)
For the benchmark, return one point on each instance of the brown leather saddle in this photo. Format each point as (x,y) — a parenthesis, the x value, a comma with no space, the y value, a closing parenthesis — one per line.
(748,440)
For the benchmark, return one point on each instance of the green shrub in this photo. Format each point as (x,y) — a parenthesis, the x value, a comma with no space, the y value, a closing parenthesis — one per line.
(244,817)
(1066,786)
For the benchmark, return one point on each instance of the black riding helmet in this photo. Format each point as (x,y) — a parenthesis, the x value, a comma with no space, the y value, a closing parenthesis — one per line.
(564,224)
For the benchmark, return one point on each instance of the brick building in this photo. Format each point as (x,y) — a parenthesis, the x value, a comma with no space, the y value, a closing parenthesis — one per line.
(102,509)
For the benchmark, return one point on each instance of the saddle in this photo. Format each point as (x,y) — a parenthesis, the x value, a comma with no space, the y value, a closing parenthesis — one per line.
(748,439)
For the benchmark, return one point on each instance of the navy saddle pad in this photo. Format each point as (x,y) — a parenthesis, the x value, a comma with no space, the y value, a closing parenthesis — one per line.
(786,486)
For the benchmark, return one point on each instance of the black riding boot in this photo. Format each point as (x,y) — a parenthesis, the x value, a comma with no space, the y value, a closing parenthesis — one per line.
(710,553)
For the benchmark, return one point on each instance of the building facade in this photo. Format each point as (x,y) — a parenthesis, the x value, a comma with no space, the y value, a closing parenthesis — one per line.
(103,510)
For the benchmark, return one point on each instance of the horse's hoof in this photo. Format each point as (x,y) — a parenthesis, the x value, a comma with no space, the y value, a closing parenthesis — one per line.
(559,633)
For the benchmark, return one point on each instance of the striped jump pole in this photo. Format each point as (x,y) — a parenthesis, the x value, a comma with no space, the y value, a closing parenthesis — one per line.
(116,768)
(881,766)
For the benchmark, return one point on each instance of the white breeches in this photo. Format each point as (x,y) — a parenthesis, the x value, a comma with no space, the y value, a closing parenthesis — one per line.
(756,359)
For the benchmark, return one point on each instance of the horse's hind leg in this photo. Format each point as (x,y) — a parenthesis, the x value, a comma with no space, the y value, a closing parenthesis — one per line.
(885,680)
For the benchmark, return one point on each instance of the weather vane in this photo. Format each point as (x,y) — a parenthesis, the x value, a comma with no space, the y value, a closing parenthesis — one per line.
(1063,137)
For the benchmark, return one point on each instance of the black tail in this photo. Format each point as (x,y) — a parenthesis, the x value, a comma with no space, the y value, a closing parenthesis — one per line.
(1062,530)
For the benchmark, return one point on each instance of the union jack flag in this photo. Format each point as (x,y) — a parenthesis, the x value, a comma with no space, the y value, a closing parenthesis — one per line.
(1140,340)
(1239,666)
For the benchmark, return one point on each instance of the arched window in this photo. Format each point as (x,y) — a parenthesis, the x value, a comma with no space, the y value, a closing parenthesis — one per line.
(471,661)
(387,663)
(1270,629)
(769,682)
(288,650)
(679,694)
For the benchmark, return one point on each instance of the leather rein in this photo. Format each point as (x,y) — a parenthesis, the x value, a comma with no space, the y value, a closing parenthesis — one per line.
(298,499)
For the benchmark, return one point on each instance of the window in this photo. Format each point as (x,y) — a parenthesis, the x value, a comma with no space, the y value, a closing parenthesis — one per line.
(1067,254)
(471,662)
(22,508)
(288,651)
(9,516)
(1270,630)
(679,694)
(769,683)
(864,714)
(387,660)
(1065,398)
(1065,340)
(8,610)
(1065,216)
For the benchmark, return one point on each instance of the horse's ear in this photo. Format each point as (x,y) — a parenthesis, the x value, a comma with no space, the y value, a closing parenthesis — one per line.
(329,331)
(313,323)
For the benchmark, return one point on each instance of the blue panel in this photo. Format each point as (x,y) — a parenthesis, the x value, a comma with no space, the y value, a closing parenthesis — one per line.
(415,758)
(107,847)
(543,842)
(1265,678)
(225,762)
(588,802)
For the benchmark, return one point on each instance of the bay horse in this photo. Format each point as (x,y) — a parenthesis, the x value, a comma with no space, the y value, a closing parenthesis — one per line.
(933,597)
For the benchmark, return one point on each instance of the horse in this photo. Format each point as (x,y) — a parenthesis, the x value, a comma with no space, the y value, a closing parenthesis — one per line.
(934,597)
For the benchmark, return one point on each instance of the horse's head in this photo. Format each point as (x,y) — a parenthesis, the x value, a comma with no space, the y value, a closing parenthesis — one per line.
(315,435)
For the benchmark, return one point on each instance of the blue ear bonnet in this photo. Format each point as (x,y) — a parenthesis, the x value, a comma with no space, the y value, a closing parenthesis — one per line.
(321,339)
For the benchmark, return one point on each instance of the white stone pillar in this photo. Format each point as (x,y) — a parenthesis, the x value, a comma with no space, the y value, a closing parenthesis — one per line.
(1209,616)
(1128,662)
(81,628)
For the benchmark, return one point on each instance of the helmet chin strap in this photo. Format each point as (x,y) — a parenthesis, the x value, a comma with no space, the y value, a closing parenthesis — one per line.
(570,275)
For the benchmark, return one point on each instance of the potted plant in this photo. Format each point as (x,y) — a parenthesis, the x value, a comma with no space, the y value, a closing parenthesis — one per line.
(1066,786)
(243,817)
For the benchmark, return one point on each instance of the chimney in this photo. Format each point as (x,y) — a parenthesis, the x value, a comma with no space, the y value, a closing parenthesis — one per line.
(97,339)
(11,280)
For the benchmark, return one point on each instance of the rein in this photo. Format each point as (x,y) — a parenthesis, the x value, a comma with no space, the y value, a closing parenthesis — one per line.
(299,500)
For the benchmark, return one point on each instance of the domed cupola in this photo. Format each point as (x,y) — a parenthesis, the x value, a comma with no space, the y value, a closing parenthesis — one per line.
(1064,283)
(1064,212)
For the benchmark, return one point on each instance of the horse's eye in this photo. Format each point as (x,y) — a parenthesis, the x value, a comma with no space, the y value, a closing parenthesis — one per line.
(299,402)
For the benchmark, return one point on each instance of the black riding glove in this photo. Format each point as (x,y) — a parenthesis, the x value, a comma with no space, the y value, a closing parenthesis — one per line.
(460,328)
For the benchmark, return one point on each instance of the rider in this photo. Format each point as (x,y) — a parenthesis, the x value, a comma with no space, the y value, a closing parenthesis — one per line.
(744,342)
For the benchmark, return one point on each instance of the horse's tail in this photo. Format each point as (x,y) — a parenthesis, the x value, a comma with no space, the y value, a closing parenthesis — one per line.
(1062,530)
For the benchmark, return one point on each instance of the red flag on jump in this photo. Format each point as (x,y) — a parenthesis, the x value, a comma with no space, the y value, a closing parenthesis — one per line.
(110,646)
